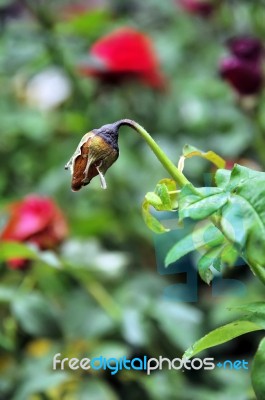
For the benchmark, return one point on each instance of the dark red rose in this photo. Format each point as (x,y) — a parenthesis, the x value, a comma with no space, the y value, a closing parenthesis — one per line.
(245,78)
(246,48)
(203,8)
(35,220)
(243,69)
(124,54)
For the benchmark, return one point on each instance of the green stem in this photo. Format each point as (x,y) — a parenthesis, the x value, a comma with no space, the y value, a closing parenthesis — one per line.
(162,157)
(181,180)
(104,300)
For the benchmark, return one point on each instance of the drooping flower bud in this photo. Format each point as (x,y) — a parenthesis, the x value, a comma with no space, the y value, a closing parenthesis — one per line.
(96,152)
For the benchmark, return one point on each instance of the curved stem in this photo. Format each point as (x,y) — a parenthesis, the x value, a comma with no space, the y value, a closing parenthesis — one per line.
(181,180)
(162,157)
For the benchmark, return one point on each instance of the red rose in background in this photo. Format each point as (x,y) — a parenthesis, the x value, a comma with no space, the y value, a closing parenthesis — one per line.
(203,8)
(124,54)
(243,69)
(36,220)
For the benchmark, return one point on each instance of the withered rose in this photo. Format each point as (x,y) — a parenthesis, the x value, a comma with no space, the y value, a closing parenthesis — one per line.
(96,152)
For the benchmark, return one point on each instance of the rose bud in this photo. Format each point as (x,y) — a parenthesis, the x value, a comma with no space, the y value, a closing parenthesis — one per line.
(96,152)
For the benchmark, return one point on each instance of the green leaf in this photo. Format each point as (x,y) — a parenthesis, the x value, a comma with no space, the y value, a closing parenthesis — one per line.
(40,381)
(97,389)
(171,192)
(170,184)
(208,260)
(154,200)
(254,312)
(255,307)
(257,372)
(79,312)
(150,220)
(240,174)
(239,204)
(208,235)
(216,258)
(221,335)
(35,314)
(169,314)
(162,191)
(243,216)
(222,177)
(10,250)
(196,207)
(7,293)
(229,255)
(161,199)
(190,151)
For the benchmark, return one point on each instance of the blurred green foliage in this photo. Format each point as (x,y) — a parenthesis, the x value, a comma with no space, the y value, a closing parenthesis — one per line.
(101,293)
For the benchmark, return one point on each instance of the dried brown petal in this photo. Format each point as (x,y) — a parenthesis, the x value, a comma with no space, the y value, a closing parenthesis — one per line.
(96,152)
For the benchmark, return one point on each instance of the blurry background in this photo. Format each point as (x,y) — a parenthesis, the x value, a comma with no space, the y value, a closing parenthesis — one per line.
(94,287)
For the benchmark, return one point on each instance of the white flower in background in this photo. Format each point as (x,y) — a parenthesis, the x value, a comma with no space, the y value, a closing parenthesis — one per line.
(48,89)
(93,257)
